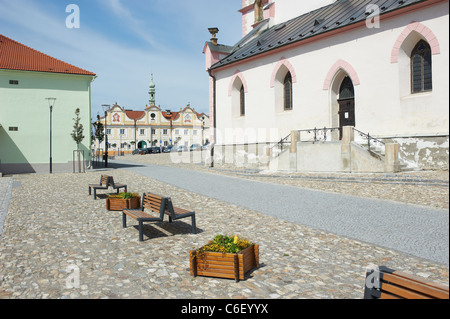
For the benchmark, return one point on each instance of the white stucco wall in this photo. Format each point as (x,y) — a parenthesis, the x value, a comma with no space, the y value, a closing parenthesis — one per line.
(383,107)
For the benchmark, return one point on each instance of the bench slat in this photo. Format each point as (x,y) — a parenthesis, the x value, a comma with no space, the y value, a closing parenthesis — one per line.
(420,288)
(435,285)
(137,214)
(403,292)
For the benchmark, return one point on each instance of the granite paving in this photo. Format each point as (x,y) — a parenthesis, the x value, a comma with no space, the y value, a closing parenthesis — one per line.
(58,242)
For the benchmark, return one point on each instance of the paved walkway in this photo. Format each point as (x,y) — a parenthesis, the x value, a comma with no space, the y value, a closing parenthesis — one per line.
(415,230)
(5,194)
(55,233)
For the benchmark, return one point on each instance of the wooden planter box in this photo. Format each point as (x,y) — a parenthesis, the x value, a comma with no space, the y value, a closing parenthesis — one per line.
(232,266)
(119,204)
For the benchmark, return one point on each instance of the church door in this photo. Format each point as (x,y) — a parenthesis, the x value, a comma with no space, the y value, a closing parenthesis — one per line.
(346,104)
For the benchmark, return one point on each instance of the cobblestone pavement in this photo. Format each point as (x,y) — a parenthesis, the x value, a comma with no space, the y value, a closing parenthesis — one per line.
(53,228)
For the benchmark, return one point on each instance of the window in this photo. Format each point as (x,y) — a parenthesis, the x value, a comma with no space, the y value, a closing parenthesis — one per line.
(242,100)
(287,91)
(177,132)
(13,82)
(142,131)
(153,131)
(108,131)
(122,131)
(186,132)
(165,131)
(13,129)
(421,72)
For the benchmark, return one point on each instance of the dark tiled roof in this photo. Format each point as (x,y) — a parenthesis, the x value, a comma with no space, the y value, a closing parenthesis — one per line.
(334,16)
(16,56)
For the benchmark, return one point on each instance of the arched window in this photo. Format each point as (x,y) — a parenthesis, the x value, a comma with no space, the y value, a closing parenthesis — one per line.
(287,91)
(242,100)
(421,73)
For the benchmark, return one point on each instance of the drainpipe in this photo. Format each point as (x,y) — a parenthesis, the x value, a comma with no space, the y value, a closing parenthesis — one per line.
(214,116)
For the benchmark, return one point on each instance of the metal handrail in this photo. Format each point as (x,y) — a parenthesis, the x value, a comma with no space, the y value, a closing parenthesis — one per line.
(318,130)
(369,138)
(281,142)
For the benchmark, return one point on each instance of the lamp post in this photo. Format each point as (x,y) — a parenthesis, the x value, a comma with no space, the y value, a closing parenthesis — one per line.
(106,108)
(51,103)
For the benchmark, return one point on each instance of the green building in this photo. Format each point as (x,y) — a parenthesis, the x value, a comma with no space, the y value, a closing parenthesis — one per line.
(31,81)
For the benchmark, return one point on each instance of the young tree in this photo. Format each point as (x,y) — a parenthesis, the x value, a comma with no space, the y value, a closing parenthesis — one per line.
(77,133)
(99,130)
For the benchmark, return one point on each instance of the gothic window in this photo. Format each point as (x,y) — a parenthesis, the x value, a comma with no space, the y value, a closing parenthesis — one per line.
(242,100)
(287,91)
(421,73)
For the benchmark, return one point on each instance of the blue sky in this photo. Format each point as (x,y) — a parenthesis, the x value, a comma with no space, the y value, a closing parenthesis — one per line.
(125,41)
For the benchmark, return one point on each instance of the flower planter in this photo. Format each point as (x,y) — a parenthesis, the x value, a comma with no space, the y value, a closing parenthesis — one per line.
(119,204)
(224,265)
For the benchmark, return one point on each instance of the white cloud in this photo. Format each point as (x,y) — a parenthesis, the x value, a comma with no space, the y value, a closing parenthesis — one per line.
(123,71)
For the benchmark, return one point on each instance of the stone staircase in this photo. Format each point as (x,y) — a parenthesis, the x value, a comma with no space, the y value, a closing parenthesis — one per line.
(356,152)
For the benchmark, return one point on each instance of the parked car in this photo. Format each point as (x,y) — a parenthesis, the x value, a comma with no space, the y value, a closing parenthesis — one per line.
(138,151)
(194,147)
(168,149)
(181,148)
(155,150)
(205,147)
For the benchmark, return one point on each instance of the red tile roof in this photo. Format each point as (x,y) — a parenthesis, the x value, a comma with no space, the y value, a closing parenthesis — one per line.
(135,115)
(16,56)
(172,116)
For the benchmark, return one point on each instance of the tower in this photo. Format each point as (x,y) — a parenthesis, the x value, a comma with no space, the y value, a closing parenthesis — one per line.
(152,92)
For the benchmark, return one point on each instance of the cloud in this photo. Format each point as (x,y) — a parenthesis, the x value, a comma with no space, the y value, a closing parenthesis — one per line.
(121,50)
(137,26)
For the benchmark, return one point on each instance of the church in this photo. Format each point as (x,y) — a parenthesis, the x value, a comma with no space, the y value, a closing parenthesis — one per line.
(320,72)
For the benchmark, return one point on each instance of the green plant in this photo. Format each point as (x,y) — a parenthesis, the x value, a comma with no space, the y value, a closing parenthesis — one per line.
(227,244)
(77,133)
(124,195)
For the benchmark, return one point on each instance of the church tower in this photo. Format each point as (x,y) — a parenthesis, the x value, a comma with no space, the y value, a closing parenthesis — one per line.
(152,92)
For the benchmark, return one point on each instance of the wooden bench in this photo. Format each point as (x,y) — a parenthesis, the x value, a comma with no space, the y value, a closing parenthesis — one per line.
(176,213)
(152,210)
(385,283)
(117,186)
(104,184)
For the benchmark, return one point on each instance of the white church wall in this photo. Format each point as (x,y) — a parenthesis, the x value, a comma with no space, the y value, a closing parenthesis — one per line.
(380,107)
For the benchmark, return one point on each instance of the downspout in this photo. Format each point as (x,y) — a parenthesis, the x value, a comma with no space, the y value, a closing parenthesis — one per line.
(214,116)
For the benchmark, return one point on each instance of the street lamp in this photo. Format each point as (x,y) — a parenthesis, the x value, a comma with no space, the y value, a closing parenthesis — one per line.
(106,108)
(51,103)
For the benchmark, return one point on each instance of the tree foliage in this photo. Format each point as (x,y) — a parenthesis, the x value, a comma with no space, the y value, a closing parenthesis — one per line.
(78,130)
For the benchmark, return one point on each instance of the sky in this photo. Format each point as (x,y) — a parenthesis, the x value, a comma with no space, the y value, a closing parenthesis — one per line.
(125,41)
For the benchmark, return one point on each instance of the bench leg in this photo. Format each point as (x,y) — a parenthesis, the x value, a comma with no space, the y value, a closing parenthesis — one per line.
(194,227)
(89,190)
(141,231)
(95,194)
(124,220)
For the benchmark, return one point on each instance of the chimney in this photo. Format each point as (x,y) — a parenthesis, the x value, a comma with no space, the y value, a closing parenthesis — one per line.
(213,32)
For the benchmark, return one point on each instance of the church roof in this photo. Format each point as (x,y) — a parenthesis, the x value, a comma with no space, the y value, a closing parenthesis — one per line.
(340,14)
(16,56)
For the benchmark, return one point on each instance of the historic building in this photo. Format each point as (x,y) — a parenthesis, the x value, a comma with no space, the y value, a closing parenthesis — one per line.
(128,130)
(379,66)
(38,95)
